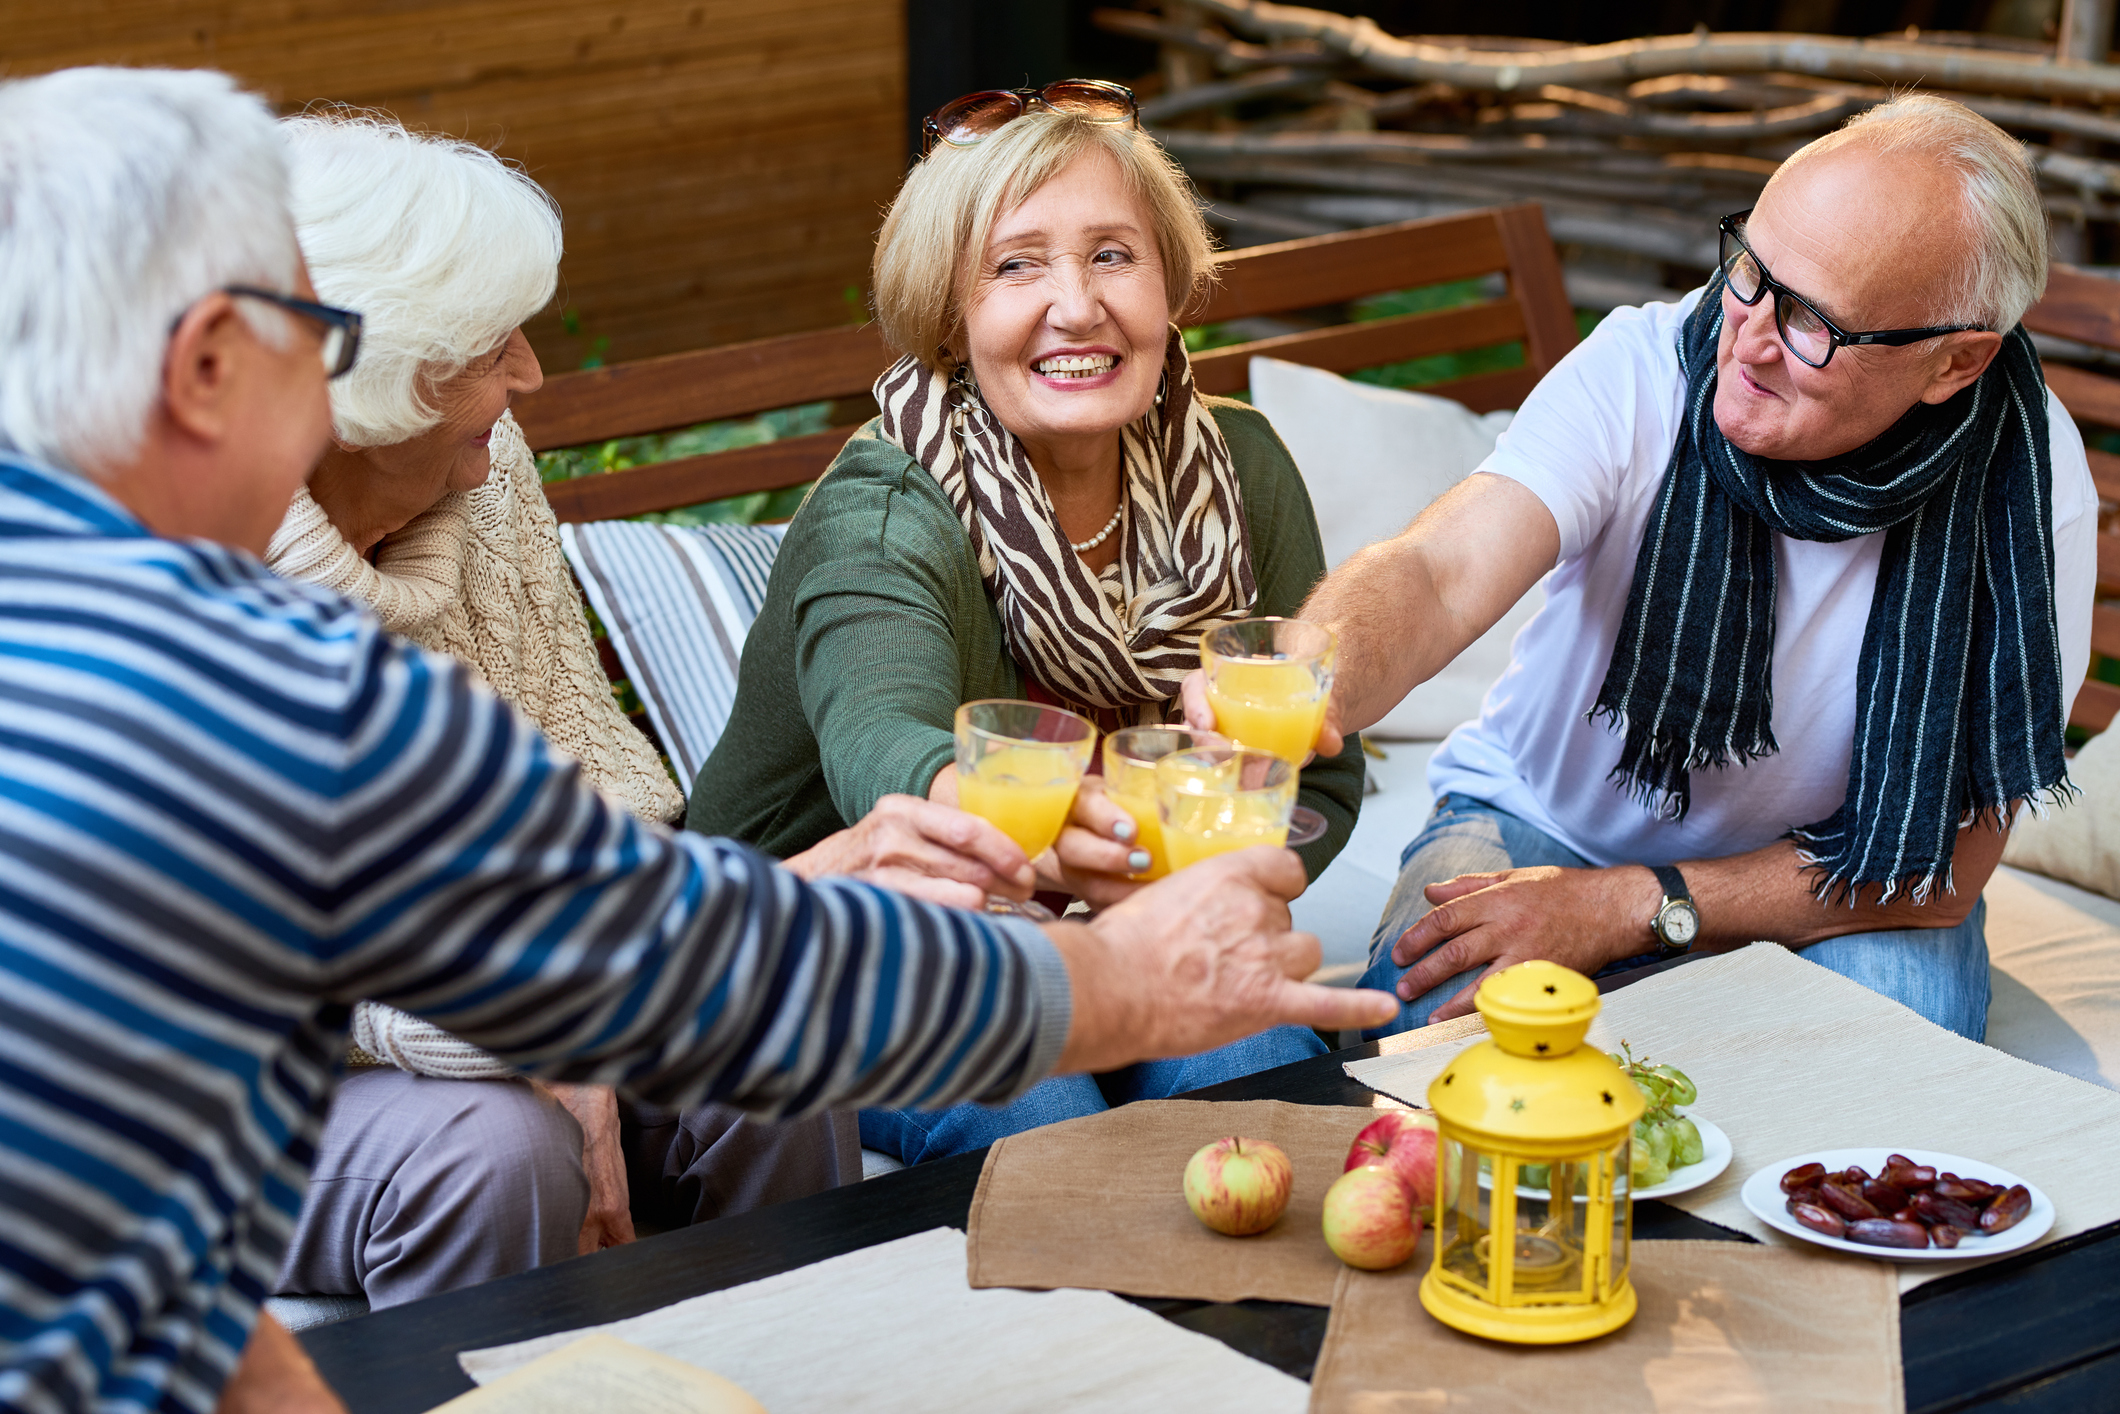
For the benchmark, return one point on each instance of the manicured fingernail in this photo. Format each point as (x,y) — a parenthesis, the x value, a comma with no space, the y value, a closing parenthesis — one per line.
(1138,861)
(1123,830)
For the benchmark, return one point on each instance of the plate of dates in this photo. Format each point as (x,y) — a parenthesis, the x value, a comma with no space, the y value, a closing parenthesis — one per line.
(1900,1205)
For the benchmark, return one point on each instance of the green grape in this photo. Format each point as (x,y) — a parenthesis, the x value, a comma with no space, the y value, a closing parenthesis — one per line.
(1688,1149)
(1535,1175)
(1659,1140)
(1683,1091)
(1646,1170)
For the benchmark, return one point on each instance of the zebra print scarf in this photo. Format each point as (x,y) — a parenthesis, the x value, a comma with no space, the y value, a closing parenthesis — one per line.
(1958,691)
(1184,557)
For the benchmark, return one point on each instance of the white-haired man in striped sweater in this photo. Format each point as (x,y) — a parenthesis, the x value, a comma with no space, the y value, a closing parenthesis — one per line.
(231,806)
(1821,560)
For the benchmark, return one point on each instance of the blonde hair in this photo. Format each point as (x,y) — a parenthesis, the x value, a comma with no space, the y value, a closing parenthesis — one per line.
(937,228)
(2005,272)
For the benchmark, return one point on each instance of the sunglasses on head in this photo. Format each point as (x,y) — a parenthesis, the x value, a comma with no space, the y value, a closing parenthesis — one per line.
(972,119)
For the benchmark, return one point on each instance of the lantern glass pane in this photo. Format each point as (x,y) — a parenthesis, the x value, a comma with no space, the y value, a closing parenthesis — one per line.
(1620,1156)
(1465,1203)
(1550,1232)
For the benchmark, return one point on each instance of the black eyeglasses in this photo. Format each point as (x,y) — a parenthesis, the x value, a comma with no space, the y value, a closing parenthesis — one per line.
(342,327)
(1804,331)
(972,119)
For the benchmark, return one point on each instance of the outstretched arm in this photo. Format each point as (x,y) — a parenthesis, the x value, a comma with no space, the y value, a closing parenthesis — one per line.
(1402,609)
(494,893)
(1588,918)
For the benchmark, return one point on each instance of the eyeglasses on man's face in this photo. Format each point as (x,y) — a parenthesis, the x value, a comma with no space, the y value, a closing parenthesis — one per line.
(342,327)
(1804,331)
(972,119)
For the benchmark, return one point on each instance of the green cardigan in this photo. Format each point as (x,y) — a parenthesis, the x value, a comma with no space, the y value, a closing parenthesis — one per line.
(876,627)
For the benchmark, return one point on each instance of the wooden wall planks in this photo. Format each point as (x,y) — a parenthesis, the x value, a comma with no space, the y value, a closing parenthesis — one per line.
(722,165)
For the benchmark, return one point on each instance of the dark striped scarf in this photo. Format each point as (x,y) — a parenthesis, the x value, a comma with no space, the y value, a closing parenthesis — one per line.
(1958,707)
(1184,556)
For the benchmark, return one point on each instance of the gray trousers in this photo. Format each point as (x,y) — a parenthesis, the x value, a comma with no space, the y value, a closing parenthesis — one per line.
(424,1185)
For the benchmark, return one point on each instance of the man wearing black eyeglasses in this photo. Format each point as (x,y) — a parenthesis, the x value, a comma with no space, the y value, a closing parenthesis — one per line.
(1821,566)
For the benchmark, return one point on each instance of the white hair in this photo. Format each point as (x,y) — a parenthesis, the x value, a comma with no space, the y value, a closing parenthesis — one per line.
(126,195)
(444,248)
(2005,271)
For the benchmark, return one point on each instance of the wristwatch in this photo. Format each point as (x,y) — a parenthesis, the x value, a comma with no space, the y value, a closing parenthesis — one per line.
(1677,921)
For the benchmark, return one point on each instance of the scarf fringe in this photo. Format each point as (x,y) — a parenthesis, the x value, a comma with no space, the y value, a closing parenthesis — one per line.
(1830,886)
(1655,771)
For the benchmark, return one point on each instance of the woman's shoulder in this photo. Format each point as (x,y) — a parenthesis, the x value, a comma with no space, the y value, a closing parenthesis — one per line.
(874,495)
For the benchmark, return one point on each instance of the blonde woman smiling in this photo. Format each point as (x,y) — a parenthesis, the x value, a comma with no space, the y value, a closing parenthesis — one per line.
(1047,508)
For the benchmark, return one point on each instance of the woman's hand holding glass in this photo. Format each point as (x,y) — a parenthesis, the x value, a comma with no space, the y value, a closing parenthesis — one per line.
(1114,843)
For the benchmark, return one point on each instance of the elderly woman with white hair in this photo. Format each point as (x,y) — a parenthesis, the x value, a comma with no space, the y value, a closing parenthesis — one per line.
(437,1169)
(1047,508)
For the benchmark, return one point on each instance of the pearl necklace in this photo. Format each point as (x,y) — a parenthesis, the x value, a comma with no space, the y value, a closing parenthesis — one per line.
(1103,535)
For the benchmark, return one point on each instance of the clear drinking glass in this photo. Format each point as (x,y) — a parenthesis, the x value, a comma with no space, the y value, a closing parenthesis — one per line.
(1219,799)
(1018,767)
(1269,681)
(1130,757)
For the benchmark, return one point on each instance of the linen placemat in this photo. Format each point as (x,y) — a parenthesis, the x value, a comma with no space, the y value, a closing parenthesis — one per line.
(1791,1058)
(893,1329)
(1721,1325)
(1099,1202)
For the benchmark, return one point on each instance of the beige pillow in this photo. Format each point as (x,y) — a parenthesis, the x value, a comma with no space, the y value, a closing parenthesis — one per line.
(2078,842)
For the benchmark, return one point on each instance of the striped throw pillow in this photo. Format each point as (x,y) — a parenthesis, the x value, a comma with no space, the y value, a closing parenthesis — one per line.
(677,602)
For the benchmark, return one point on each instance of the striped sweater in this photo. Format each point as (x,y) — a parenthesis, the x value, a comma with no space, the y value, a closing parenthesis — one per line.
(230,807)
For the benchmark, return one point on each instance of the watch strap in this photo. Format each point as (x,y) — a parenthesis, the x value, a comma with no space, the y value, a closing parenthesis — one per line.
(1674,883)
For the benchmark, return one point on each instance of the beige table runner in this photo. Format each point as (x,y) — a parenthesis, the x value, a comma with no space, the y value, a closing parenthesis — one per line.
(1099,1202)
(1790,1058)
(1722,1326)
(894,1328)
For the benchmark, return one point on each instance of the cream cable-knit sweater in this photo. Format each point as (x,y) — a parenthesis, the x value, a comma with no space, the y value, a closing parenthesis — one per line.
(480,576)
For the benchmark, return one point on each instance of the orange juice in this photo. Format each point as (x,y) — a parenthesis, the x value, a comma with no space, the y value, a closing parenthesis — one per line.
(1275,707)
(1148,823)
(1201,827)
(1025,792)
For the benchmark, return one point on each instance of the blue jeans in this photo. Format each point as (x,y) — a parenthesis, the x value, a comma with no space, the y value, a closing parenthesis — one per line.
(1940,973)
(913,1135)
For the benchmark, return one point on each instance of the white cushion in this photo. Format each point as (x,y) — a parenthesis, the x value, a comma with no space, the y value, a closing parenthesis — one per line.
(1373,459)
(2055,971)
(2078,842)
(678,602)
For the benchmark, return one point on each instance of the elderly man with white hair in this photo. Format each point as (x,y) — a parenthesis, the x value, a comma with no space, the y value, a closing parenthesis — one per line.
(1821,559)
(232,805)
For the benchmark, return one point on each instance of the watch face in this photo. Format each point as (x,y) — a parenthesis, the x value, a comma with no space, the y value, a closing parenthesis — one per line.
(1680,923)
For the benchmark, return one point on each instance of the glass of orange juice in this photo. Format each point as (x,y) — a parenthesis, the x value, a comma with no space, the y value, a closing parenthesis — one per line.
(1269,681)
(1130,757)
(1018,766)
(1218,799)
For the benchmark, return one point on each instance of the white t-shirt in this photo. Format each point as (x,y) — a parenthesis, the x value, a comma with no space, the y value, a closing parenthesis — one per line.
(1592,442)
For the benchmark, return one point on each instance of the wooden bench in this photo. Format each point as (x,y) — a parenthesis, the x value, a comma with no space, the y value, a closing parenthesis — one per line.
(2086,308)
(1294,277)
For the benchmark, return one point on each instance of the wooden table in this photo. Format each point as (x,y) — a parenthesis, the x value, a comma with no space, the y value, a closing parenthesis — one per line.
(2035,1332)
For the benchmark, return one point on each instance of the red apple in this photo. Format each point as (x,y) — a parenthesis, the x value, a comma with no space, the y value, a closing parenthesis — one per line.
(1239,1186)
(1370,1219)
(1403,1142)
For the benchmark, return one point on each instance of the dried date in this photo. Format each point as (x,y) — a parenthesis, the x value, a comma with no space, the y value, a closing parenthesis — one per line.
(1888,1232)
(2006,1211)
(1819,1219)
(1802,1176)
(1934,1209)
(1846,1201)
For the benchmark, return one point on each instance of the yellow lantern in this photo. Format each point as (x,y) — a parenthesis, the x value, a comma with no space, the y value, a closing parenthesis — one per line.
(1533,1223)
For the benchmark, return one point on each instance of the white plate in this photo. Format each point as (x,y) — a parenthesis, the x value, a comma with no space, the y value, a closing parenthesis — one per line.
(1762,1194)
(1714,1158)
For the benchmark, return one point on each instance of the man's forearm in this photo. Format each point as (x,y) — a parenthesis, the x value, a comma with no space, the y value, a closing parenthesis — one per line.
(1766,894)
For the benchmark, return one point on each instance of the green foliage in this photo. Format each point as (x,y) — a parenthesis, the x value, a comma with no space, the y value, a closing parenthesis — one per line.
(625,453)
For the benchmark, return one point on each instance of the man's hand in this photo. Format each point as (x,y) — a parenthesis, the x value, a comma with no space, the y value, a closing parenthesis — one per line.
(275,1377)
(1197,960)
(610,1219)
(1097,852)
(925,849)
(1579,918)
